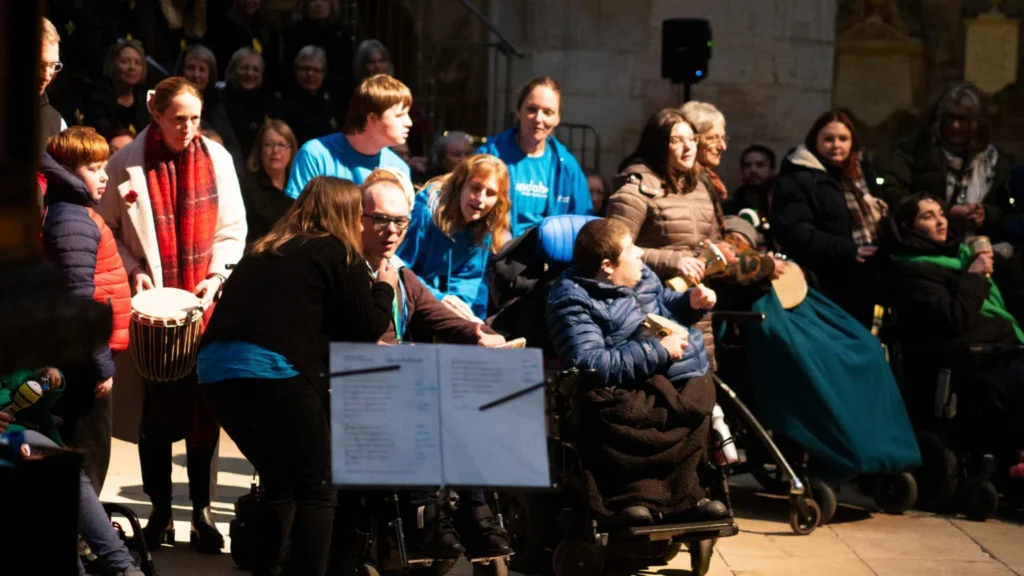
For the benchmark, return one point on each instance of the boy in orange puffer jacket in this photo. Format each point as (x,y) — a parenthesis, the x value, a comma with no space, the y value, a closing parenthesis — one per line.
(78,242)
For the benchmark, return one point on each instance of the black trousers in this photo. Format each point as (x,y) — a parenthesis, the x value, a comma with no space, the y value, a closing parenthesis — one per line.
(200,462)
(282,427)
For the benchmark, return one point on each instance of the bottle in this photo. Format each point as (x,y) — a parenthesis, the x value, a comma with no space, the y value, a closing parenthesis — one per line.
(728,447)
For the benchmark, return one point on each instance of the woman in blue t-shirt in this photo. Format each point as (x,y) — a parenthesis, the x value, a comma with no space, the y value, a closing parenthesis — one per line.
(457,222)
(546,179)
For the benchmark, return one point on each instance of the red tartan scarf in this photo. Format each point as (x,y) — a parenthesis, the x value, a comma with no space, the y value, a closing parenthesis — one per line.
(183,193)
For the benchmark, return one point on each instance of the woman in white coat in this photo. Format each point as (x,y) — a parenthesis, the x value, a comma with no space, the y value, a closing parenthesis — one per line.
(176,211)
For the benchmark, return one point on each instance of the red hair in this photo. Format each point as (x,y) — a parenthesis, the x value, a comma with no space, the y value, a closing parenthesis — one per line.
(78,145)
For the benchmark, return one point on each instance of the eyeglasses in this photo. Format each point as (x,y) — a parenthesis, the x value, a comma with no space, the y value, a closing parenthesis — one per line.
(381,222)
(716,140)
(54,66)
(277,146)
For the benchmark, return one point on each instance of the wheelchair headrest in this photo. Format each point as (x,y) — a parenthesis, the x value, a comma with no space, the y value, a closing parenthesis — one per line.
(556,236)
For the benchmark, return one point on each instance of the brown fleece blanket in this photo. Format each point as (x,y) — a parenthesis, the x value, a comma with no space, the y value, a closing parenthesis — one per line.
(643,445)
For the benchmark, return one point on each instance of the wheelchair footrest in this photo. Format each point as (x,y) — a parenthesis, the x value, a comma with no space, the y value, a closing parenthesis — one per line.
(693,530)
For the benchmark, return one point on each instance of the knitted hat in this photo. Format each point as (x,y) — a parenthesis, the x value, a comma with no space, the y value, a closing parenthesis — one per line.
(743,227)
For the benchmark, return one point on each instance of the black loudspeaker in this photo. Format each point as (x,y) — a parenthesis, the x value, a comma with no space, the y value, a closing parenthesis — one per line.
(685,50)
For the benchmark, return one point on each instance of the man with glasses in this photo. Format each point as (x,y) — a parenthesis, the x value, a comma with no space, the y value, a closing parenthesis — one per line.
(378,117)
(50,122)
(419,316)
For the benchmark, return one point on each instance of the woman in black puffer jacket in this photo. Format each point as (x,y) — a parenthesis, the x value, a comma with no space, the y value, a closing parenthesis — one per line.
(825,215)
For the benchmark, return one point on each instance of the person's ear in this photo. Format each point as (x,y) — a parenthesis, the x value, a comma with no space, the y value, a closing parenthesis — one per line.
(607,267)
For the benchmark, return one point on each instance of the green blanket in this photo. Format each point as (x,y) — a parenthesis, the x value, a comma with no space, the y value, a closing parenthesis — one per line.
(993,306)
(820,379)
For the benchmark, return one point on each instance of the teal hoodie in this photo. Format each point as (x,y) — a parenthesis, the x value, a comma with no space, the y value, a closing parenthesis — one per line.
(454,265)
(565,185)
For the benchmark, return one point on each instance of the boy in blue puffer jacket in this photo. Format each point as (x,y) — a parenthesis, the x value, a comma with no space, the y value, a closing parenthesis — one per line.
(657,391)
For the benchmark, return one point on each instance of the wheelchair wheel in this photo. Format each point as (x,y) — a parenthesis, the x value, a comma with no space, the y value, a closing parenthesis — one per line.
(574,558)
(825,496)
(982,501)
(700,557)
(136,543)
(764,470)
(804,526)
(939,474)
(672,551)
(895,493)
(528,522)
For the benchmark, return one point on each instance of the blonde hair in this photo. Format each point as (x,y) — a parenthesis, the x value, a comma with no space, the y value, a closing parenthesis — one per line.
(373,97)
(166,91)
(393,177)
(255,161)
(448,213)
(114,52)
(231,72)
(327,206)
(50,35)
(703,115)
(78,145)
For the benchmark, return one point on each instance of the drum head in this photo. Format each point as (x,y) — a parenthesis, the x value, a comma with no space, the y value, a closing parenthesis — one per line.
(790,286)
(166,304)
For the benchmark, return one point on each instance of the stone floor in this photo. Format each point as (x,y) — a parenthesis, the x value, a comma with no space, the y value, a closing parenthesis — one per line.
(858,542)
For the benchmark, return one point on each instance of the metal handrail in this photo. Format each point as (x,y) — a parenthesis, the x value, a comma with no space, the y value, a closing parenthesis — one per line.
(503,44)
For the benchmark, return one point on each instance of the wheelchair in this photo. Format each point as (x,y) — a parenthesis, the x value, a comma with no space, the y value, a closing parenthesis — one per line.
(770,462)
(557,531)
(135,543)
(955,475)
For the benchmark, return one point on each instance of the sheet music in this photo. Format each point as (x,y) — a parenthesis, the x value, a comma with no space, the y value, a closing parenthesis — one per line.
(507,445)
(385,427)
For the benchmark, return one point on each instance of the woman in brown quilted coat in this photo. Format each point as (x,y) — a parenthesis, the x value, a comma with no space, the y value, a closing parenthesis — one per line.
(661,195)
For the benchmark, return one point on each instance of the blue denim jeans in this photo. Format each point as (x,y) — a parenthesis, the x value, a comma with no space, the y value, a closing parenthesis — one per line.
(93,522)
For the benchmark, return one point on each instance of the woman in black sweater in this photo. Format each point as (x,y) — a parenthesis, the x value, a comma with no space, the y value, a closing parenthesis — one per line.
(264,362)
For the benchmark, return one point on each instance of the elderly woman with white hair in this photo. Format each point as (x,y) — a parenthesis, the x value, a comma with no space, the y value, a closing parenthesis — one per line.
(712,141)
(953,158)
(308,106)
(449,149)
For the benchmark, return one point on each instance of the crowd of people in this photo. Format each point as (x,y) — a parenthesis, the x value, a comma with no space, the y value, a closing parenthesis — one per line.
(281,199)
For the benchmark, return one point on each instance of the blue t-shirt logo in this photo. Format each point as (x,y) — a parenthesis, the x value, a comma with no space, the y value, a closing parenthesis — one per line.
(532,189)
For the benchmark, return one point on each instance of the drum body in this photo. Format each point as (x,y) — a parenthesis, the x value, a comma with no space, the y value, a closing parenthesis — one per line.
(163,335)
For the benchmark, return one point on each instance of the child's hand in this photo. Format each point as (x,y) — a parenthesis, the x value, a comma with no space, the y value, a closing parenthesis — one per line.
(702,298)
(54,375)
(103,388)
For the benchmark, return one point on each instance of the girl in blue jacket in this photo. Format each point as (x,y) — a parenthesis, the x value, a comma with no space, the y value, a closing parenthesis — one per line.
(457,222)
(546,179)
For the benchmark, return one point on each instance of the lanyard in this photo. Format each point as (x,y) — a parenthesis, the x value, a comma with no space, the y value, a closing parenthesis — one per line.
(400,316)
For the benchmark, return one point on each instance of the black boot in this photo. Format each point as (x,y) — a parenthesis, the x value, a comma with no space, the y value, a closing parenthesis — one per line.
(435,536)
(160,526)
(204,534)
(488,539)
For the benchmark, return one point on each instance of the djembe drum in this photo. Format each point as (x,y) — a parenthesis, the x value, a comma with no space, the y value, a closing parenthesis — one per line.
(163,335)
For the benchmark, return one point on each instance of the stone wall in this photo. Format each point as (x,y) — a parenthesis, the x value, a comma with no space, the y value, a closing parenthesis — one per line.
(771,70)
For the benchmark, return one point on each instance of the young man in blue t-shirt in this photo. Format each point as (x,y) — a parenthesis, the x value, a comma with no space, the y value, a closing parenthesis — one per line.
(378,118)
